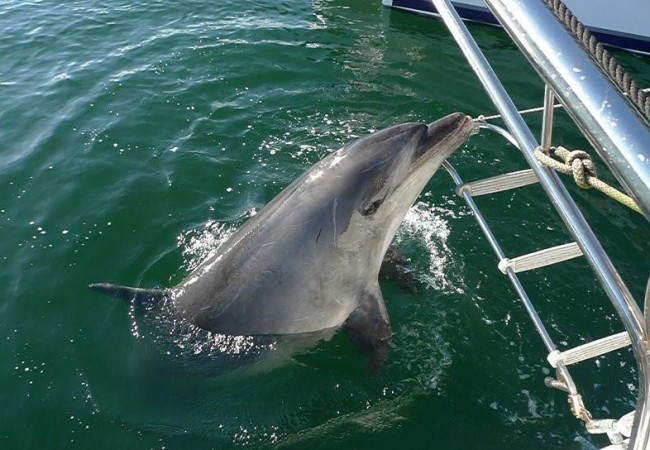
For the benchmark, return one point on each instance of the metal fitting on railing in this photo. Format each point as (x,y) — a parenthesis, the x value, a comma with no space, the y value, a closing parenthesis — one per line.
(616,430)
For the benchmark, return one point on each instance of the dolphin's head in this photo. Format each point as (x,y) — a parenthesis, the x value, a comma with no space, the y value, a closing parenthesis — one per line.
(387,170)
(390,160)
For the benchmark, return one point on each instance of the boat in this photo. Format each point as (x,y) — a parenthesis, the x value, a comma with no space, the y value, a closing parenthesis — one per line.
(613,113)
(624,27)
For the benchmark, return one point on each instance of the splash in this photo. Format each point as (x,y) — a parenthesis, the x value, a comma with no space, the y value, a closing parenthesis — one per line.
(428,225)
(197,245)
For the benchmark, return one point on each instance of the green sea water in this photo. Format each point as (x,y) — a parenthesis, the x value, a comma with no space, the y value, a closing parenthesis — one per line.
(135,137)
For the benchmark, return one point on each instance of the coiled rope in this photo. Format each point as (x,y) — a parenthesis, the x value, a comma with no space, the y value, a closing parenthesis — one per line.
(578,164)
(607,62)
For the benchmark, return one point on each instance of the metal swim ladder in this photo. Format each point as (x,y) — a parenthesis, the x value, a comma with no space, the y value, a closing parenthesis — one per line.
(617,430)
(633,429)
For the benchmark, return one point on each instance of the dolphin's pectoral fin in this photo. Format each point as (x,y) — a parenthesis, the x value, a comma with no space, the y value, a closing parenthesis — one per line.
(394,267)
(368,326)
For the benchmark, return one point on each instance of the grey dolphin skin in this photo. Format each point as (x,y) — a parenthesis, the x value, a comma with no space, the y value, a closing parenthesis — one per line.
(310,259)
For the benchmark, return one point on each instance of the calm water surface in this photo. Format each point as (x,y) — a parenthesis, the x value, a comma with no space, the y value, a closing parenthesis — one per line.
(135,137)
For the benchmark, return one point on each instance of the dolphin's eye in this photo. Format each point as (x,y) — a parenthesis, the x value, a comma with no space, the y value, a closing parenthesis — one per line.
(372,208)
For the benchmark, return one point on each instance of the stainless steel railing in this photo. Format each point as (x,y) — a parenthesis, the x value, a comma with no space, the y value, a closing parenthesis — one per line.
(612,127)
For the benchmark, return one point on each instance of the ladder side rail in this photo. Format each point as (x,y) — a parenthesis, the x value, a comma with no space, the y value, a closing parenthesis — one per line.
(563,372)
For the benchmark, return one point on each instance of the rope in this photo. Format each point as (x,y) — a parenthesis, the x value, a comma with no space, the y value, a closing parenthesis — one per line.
(607,62)
(578,164)
(483,118)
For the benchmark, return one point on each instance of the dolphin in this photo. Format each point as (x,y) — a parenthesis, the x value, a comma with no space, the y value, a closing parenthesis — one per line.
(309,260)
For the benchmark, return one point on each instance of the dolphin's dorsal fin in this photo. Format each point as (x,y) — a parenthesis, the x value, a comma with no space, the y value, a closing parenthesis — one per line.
(368,324)
(138,295)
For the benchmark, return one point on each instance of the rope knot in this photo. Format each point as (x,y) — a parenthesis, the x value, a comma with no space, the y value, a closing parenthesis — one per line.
(582,167)
(578,163)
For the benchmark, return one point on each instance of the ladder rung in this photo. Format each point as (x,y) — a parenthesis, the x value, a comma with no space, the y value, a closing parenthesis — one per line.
(590,350)
(541,258)
(498,183)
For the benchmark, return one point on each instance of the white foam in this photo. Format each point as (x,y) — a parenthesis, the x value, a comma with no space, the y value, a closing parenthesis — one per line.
(428,224)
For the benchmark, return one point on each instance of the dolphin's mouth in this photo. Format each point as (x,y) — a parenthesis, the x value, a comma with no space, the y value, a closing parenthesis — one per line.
(444,136)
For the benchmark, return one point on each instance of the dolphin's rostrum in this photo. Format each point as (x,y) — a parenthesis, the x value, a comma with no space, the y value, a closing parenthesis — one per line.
(310,259)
